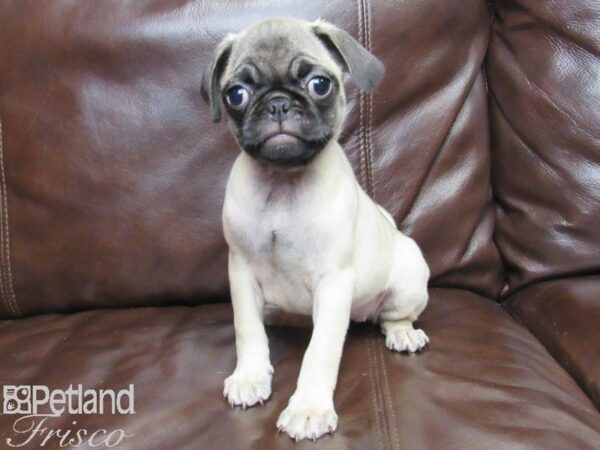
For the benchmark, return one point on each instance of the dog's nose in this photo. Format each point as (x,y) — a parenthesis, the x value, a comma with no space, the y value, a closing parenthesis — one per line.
(278,108)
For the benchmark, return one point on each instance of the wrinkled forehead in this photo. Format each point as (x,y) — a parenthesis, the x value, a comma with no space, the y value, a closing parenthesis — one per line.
(277,48)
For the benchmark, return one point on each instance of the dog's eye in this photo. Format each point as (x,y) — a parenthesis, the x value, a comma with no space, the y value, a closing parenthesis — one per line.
(319,86)
(237,97)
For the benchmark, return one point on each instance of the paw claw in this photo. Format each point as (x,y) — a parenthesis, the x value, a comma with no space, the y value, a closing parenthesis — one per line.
(309,420)
(247,388)
(406,339)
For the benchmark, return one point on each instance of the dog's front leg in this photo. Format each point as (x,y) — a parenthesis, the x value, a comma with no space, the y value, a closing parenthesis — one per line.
(250,382)
(310,412)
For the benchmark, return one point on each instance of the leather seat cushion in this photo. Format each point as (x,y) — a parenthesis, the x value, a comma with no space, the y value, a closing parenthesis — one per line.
(564,315)
(485,382)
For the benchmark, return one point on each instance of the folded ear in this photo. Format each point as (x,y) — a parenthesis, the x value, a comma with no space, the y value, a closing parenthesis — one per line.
(366,70)
(209,87)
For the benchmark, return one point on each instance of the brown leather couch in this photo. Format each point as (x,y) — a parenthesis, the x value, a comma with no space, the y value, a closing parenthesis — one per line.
(483,141)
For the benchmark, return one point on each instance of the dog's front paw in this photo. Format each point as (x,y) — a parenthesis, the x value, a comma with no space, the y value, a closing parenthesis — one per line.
(309,420)
(406,340)
(248,387)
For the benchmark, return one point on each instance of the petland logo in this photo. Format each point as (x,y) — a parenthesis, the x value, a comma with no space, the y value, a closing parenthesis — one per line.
(37,405)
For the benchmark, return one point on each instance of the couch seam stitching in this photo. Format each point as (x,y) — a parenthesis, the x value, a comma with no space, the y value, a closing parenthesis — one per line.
(388,395)
(373,382)
(369,101)
(8,290)
(361,124)
(5,300)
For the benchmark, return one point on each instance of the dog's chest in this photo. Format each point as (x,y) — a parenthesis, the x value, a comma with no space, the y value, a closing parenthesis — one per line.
(281,241)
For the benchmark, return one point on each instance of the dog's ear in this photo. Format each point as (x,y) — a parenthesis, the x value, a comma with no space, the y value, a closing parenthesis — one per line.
(209,87)
(366,70)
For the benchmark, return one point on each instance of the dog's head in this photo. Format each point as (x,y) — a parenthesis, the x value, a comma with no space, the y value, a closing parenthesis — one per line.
(281,84)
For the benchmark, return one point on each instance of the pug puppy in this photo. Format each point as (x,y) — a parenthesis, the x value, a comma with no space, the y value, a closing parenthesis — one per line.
(302,234)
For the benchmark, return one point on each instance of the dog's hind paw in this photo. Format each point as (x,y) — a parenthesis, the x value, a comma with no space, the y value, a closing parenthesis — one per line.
(400,336)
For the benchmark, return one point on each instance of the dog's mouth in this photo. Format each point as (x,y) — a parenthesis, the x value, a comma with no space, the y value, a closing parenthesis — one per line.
(281,139)
(285,148)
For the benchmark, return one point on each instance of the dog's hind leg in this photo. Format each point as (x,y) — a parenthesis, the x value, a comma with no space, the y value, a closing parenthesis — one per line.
(408,285)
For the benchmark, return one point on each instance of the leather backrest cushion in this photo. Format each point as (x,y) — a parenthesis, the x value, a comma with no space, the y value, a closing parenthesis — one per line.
(114,173)
(544,75)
